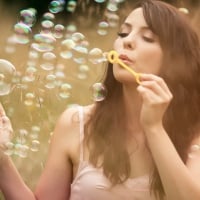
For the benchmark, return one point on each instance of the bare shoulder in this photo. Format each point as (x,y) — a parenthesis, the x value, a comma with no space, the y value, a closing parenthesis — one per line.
(67,130)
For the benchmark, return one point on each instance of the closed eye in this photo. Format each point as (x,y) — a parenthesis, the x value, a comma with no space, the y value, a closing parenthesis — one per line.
(148,39)
(122,35)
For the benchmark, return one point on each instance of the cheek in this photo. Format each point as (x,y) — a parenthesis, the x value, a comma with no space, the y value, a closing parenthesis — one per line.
(151,61)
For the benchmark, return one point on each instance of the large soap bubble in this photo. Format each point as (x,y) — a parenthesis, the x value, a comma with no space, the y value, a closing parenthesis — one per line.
(7,72)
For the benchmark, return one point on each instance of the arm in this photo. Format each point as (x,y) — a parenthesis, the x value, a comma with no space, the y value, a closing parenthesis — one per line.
(11,183)
(56,178)
(179,181)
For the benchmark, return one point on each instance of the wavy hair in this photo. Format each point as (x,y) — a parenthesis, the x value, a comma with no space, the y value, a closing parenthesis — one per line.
(181,71)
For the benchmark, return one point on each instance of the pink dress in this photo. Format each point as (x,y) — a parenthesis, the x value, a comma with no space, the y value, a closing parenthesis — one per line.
(91,184)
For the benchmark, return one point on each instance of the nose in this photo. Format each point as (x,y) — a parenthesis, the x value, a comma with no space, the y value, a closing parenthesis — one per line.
(129,42)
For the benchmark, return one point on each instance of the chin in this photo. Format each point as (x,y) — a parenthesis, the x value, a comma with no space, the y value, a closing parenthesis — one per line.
(125,78)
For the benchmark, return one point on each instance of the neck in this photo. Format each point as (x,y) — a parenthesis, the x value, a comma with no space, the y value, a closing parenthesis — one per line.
(132,104)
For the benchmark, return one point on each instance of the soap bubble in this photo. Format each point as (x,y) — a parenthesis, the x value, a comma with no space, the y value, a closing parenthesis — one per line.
(58,31)
(7,72)
(29,99)
(100,1)
(22,150)
(35,145)
(98,92)
(56,6)
(65,90)
(48,16)
(83,71)
(28,16)
(79,54)
(96,56)
(66,48)
(50,81)
(71,6)
(112,6)
(47,26)
(48,61)
(22,33)
(44,42)
(103,28)
(9,148)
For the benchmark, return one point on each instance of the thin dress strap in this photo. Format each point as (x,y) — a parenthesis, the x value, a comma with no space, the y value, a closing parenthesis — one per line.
(81,129)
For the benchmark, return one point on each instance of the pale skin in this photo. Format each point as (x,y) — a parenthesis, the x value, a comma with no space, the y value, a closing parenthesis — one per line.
(145,105)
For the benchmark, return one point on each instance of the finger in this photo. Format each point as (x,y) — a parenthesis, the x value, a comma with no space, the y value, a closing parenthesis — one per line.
(159,80)
(151,97)
(157,89)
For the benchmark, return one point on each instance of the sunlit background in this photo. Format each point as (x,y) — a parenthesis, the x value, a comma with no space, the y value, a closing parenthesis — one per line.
(52,56)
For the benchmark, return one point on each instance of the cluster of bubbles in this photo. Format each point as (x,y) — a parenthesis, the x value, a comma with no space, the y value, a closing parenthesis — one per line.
(25,141)
(42,72)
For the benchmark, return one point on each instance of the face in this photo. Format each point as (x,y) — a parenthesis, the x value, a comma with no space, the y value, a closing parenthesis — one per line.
(138,47)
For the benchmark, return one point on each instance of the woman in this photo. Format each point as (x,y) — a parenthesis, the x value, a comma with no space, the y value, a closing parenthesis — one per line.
(142,141)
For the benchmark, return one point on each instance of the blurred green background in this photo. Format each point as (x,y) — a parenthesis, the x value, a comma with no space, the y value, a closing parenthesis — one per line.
(40,95)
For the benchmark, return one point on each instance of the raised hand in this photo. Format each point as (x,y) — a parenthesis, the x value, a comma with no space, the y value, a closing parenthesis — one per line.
(156,97)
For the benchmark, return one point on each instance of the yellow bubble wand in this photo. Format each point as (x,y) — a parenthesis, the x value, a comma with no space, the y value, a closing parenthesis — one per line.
(113,57)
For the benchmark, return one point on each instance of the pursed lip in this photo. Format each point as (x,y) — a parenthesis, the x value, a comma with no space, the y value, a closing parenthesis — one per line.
(125,58)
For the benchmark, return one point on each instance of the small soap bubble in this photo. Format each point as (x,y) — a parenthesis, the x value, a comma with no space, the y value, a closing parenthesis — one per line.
(56,6)
(48,62)
(29,99)
(70,29)
(23,133)
(103,28)
(47,26)
(7,73)
(22,33)
(112,19)
(96,56)
(99,92)
(35,129)
(44,42)
(58,31)
(112,6)
(77,37)
(28,16)
(17,148)
(23,151)
(46,38)
(48,16)
(50,81)
(66,48)
(30,74)
(10,49)
(34,133)
(49,56)
(100,1)
(9,148)
(65,90)
(33,55)
(35,145)
(79,54)
(83,71)
(71,6)
(119,1)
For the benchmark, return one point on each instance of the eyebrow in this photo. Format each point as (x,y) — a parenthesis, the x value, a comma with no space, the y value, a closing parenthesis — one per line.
(128,25)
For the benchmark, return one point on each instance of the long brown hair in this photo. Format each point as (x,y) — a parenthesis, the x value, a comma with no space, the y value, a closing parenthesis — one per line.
(180,70)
